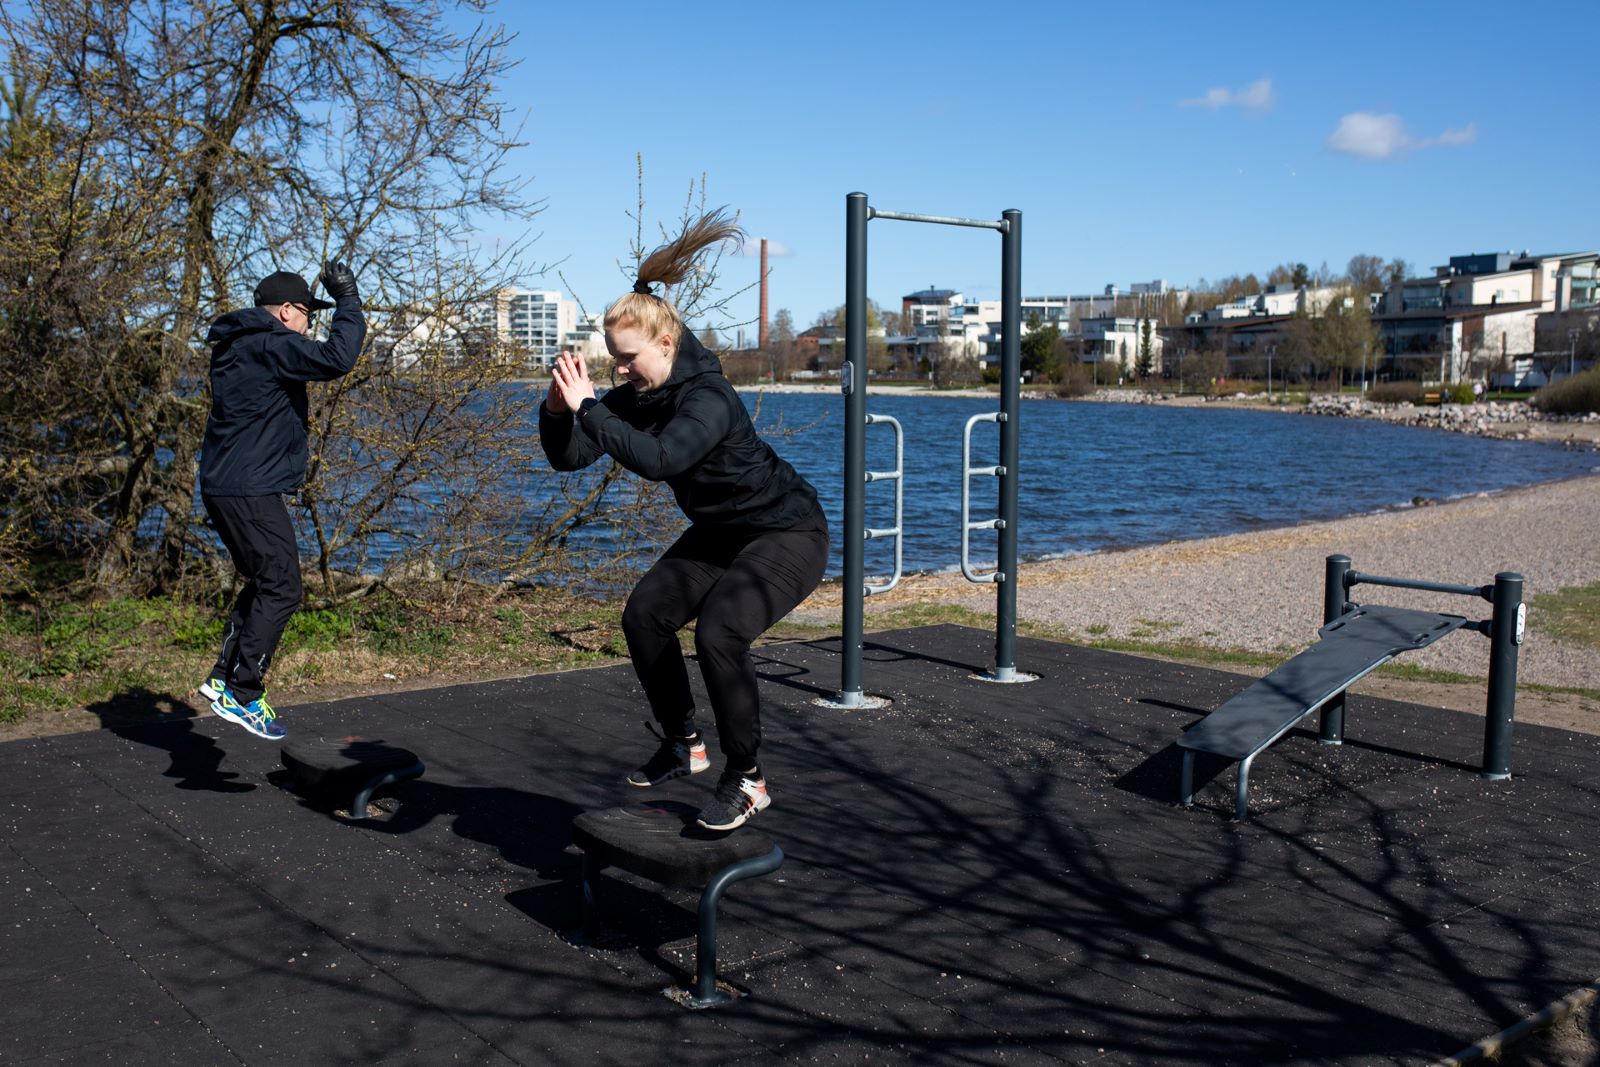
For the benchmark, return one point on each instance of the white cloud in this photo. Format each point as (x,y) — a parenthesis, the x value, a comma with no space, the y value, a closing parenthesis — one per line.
(775,249)
(1466,135)
(1369,136)
(1257,96)
(1373,136)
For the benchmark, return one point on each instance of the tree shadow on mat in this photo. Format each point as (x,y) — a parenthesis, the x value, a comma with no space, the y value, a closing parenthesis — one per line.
(166,722)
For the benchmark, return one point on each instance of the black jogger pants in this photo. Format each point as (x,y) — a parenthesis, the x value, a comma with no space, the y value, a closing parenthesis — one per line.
(259,536)
(737,584)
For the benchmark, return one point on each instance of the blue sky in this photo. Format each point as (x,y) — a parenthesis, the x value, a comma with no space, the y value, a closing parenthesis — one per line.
(1139,141)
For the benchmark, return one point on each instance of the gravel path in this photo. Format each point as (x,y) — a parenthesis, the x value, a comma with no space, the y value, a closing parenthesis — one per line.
(1263,590)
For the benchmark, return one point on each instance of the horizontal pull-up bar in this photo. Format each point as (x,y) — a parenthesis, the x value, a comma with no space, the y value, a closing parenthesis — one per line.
(1357,578)
(942,220)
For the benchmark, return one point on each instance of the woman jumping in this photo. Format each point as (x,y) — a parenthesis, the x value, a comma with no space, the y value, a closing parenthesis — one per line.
(757,541)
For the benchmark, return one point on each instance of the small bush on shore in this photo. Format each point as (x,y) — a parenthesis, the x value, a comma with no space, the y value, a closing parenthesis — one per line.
(1395,393)
(1578,395)
(1075,380)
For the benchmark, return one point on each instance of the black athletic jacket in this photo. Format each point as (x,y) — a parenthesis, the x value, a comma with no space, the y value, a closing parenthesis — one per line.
(256,436)
(694,434)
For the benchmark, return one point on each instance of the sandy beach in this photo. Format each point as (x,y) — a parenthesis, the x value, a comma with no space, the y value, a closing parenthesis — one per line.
(1262,590)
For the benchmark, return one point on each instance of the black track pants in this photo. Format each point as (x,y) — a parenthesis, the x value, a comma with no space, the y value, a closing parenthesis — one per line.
(737,585)
(260,538)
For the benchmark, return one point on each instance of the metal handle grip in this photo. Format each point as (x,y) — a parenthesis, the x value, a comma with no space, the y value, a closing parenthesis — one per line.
(967,526)
(898,477)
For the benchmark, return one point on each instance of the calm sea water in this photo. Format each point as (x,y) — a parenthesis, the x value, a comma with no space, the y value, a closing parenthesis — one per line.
(1099,476)
(1102,476)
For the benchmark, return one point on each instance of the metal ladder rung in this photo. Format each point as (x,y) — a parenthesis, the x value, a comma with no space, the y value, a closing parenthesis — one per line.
(967,525)
(894,531)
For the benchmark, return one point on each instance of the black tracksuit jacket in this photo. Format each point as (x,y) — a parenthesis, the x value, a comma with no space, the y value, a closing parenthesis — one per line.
(255,442)
(694,434)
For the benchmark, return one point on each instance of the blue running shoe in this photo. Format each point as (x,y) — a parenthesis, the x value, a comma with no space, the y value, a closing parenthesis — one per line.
(256,716)
(213,688)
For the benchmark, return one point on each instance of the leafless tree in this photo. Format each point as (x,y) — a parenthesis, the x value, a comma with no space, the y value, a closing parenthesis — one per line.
(177,151)
(1365,274)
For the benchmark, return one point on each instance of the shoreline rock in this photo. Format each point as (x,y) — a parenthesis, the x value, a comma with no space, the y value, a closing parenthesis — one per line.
(1501,419)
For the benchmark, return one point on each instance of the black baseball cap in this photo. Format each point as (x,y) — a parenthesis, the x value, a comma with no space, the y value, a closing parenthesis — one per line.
(287,287)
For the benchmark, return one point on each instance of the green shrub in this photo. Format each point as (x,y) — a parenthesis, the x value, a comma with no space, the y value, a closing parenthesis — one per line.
(1578,395)
(423,640)
(18,698)
(1461,393)
(1395,393)
(319,631)
(194,632)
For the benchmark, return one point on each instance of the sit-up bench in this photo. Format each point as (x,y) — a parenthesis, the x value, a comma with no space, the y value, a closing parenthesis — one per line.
(1355,641)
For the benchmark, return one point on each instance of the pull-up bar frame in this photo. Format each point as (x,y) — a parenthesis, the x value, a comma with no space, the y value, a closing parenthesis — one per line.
(853,382)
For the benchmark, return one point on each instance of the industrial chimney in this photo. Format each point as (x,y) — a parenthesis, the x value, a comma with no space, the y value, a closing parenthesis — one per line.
(761,328)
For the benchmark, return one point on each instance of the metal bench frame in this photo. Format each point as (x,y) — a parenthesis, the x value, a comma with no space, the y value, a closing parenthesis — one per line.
(658,842)
(705,993)
(1504,629)
(349,779)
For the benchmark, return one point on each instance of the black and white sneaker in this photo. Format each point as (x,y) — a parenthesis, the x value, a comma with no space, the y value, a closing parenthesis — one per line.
(674,758)
(739,795)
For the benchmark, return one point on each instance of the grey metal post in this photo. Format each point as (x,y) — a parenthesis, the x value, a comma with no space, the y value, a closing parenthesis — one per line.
(705,993)
(1505,636)
(853,381)
(1335,591)
(1005,640)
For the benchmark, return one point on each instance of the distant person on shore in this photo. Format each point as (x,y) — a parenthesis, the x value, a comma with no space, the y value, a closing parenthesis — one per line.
(255,453)
(757,541)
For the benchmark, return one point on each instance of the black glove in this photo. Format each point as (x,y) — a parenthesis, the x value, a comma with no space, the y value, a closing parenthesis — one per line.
(339,280)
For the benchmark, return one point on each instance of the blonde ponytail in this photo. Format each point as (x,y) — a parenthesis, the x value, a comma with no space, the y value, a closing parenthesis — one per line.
(668,266)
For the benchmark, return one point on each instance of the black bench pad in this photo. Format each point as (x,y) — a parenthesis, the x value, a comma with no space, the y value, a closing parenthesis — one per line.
(344,762)
(1351,647)
(660,840)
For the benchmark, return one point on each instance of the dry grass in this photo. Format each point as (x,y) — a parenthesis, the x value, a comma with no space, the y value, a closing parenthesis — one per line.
(71,665)
(1571,615)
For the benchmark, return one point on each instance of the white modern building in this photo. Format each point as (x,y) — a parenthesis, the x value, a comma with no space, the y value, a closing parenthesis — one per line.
(1115,340)
(1276,300)
(587,339)
(1065,312)
(535,320)
(933,316)
(1481,313)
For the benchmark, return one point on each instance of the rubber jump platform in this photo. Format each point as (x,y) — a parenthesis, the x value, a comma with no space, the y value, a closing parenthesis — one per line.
(974,874)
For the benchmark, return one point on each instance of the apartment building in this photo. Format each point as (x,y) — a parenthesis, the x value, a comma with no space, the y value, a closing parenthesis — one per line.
(537,321)
(1482,314)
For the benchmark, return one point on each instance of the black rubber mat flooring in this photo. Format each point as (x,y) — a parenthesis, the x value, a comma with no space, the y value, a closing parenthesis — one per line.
(976,873)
